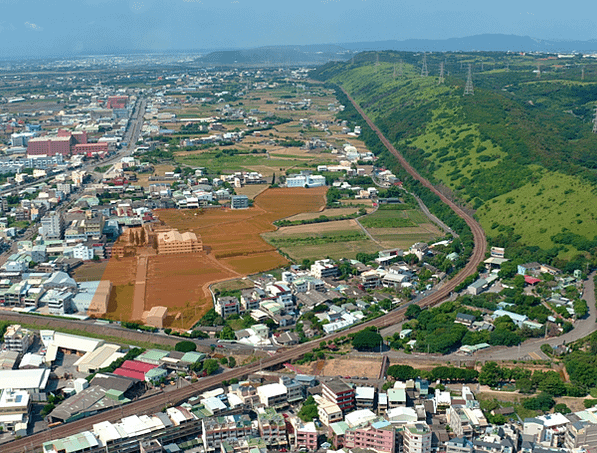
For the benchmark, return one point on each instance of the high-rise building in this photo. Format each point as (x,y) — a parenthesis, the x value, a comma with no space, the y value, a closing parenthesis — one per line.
(339,392)
(417,438)
(52,225)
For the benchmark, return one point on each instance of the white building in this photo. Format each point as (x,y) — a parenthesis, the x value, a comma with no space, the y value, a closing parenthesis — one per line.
(305,180)
(272,394)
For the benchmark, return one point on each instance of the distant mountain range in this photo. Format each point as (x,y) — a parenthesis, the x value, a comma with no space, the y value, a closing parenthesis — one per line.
(486,42)
(277,55)
(322,53)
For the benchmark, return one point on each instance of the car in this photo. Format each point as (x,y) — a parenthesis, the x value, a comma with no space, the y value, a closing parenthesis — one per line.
(220,346)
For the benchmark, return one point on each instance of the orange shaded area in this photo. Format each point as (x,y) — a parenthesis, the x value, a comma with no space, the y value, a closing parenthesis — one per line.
(233,248)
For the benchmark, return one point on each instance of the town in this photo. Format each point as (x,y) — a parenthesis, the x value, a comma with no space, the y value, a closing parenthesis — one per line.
(162,230)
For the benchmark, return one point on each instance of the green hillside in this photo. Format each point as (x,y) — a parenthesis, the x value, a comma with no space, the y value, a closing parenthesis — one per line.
(520,150)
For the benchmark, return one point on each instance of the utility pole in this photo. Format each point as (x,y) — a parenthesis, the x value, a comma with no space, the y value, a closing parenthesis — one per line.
(440,80)
(424,70)
(469,89)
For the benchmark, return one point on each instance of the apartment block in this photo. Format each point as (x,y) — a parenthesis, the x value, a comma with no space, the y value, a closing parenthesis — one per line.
(379,436)
(226,306)
(17,339)
(272,428)
(328,412)
(339,392)
(221,429)
(417,438)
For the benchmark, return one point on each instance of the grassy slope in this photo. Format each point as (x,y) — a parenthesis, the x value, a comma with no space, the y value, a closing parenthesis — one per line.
(536,202)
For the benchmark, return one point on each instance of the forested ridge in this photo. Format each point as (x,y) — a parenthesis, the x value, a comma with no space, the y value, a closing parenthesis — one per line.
(520,151)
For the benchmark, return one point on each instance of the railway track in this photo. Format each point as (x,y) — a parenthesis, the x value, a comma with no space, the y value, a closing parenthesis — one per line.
(156,403)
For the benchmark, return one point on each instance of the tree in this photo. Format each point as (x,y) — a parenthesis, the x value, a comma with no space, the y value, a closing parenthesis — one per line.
(231,362)
(367,339)
(542,402)
(402,372)
(227,333)
(552,384)
(210,366)
(490,374)
(309,410)
(185,346)
(412,311)
(562,408)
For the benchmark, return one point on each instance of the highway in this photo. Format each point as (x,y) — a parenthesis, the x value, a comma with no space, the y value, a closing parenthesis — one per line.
(157,402)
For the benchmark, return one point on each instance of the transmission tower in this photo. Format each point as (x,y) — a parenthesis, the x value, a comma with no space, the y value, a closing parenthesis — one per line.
(424,71)
(469,89)
(595,122)
(440,80)
(400,71)
(582,76)
(507,66)
(376,62)
(538,71)
(394,70)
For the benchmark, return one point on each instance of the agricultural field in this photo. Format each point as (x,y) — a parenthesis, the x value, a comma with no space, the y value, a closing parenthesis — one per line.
(338,239)
(329,212)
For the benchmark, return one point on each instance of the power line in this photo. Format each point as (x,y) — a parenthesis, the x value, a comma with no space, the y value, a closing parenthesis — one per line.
(469,89)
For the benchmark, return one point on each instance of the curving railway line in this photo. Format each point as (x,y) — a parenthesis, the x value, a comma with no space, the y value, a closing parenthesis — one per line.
(156,403)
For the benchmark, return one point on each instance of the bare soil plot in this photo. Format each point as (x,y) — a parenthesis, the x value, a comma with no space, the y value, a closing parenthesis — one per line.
(326,212)
(369,368)
(181,283)
(90,271)
(318,228)
(251,190)
(143,178)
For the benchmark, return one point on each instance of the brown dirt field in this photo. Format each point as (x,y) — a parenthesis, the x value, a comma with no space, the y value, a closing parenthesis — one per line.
(143,178)
(326,212)
(90,271)
(315,228)
(369,368)
(252,190)
(121,271)
(234,233)
(254,263)
(181,283)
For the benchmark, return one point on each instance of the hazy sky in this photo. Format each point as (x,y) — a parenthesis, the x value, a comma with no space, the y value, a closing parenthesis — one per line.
(38,27)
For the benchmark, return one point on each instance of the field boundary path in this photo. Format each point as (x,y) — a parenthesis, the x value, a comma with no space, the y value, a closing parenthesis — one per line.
(139,292)
(157,402)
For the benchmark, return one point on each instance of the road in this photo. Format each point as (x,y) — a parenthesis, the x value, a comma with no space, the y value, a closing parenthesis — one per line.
(156,403)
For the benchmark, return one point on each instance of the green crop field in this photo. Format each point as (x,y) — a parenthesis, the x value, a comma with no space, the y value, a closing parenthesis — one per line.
(393,219)
(333,244)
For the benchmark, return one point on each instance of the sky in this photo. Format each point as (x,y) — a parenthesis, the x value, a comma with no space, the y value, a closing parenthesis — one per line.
(64,27)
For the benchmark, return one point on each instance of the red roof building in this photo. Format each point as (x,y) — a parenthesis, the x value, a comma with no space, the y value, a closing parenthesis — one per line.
(531,280)
(134,369)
